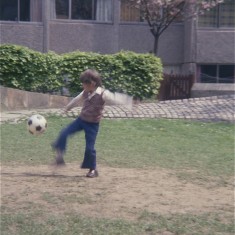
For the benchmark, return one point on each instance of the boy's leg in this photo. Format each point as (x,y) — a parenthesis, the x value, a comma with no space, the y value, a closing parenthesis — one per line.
(91,131)
(60,144)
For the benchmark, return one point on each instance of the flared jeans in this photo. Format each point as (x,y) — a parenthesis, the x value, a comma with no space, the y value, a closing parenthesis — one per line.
(91,131)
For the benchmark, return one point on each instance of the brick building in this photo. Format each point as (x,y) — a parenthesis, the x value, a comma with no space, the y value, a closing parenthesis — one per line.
(204,46)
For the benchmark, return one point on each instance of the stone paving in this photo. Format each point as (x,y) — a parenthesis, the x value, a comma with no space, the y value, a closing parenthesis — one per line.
(215,108)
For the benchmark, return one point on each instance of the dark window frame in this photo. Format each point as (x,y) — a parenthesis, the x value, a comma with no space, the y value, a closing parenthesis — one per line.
(21,11)
(211,73)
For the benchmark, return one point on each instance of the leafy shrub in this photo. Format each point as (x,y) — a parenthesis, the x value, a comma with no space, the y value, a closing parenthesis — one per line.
(74,63)
(29,70)
(135,74)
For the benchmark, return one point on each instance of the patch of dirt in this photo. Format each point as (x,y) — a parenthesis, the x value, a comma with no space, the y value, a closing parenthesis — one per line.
(117,192)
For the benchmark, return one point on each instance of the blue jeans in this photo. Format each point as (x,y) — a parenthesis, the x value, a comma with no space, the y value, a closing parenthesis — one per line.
(91,131)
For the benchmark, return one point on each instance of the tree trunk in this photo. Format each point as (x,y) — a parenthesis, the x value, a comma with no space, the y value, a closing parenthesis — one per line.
(155,48)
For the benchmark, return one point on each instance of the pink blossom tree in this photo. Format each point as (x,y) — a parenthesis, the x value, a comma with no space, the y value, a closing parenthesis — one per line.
(160,14)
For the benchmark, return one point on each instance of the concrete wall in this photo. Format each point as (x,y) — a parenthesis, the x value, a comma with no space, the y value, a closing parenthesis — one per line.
(211,89)
(109,38)
(215,46)
(67,37)
(26,34)
(138,38)
(14,99)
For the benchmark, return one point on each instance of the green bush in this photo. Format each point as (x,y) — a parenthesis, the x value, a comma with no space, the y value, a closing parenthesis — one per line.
(135,74)
(138,74)
(29,70)
(74,63)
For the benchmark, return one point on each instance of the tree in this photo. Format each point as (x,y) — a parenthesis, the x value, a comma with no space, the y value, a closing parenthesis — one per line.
(160,14)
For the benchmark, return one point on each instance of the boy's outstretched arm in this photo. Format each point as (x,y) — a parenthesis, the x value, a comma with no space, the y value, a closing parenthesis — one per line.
(74,102)
(116,98)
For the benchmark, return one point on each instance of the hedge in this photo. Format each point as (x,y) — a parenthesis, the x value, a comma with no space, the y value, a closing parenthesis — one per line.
(132,73)
(29,70)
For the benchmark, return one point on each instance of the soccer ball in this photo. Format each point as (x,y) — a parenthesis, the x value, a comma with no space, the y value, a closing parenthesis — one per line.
(36,124)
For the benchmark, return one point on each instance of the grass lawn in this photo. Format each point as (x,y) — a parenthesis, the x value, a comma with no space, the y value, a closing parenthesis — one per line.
(195,153)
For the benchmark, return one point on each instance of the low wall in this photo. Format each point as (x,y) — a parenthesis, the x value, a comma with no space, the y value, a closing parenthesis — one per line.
(14,99)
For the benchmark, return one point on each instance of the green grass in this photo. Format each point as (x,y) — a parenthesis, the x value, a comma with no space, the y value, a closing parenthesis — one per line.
(195,151)
(174,144)
(147,224)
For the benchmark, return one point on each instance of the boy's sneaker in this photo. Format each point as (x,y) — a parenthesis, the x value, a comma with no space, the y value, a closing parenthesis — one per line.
(92,174)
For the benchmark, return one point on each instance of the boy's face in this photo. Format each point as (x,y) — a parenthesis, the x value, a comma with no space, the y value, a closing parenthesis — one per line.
(89,87)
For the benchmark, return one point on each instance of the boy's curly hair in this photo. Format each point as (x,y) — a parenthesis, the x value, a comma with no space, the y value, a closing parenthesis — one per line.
(90,75)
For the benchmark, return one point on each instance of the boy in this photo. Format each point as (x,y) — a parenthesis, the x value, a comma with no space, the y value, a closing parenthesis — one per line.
(93,97)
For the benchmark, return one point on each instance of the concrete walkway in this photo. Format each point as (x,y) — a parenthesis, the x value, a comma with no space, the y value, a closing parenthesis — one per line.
(216,108)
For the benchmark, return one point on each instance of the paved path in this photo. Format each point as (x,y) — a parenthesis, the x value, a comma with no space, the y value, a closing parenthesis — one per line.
(216,108)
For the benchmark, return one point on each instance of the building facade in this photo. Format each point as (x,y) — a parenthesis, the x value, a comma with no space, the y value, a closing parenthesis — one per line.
(203,46)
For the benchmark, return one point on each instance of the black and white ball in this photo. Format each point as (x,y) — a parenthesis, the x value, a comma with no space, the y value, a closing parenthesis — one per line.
(36,124)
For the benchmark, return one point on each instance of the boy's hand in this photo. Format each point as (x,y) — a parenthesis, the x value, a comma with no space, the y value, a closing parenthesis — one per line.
(63,111)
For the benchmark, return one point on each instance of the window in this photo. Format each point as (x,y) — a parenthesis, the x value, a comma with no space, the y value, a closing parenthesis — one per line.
(217,73)
(9,10)
(99,10)
(220,16)
(83,9)
(62,9)
(130,13)
(20,10)
(133,14)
